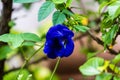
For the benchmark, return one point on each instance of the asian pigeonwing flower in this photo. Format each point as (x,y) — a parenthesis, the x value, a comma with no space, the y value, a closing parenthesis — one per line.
(59,42)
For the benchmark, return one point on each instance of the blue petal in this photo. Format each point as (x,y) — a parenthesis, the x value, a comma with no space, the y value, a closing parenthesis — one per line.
(67,32)
(47,48)
(52,48)
(56,30)
(69,48)
(52,55)
(56,45)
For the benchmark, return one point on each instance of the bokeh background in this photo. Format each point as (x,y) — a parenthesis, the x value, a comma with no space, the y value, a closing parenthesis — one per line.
(40,68)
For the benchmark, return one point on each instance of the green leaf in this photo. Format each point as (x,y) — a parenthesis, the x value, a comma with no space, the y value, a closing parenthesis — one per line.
(91,54)
(114,9)
(28,44)
(108,37)
(102,5)
(90,68)
(24,1)
(16,40)
(27,6)
(13,75)
(30,37)
(81,28)
(105,3)
(65,11)
(11,23)
(58,18)
(114,68)
(116,59)
(116,78)
(104,76)
(45,10)
(58,1)
(68,3)
(4,51)
(101,1)
(106,23)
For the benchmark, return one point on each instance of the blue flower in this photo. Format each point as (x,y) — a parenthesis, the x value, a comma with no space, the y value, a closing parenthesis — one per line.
(59,42)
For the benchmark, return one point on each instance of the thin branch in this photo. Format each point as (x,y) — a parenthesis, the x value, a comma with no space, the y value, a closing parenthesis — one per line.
(34,62)
(95,38)
(37,61)
(80,36)
(101,43)
(86,34)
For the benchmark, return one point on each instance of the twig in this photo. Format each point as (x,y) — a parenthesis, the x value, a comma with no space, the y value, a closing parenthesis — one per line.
(37,61)
(101,43)
(28,59)
(80,36)
(55,68)
(85,34)
(95,38)
(34,62)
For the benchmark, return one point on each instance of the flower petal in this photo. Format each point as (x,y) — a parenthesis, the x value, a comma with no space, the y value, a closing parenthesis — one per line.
(59,42)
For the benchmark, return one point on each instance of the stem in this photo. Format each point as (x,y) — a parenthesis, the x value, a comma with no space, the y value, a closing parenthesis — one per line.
(56,66)
(35,52)
(21,69)
(34,62)
(27,60)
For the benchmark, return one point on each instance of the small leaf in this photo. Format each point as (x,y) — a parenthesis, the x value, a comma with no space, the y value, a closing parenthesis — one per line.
(105,3)
(105,66)
(114,68)
(27,6)
(68,3)
(58,18)
(65,11)
(58,1)
(91,54)
(28,44)
(12,75)
(14,40)
(104,76)
(113,9)
(102,5)
(116,59)
(108,37)
(5,38)
(106,23)
(30,37)
(4,51)
(116,78)
(45,10)
(81,28)
(11,23)
(90,68)
(25,1)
